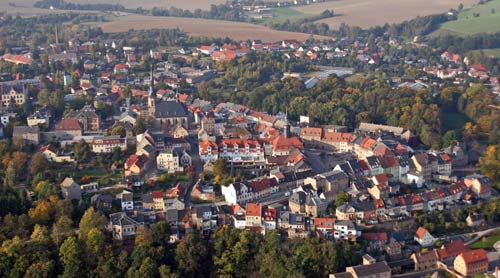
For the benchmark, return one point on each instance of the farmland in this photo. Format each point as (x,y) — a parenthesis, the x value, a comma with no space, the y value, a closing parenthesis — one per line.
(368,13)
(202,27)
(487,20)
(283,14)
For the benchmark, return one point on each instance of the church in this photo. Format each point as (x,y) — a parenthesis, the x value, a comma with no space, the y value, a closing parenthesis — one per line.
(166,113)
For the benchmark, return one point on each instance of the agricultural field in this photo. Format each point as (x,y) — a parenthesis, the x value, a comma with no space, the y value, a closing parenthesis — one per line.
(495,52)
(203,27)
(368,13)
(478,19)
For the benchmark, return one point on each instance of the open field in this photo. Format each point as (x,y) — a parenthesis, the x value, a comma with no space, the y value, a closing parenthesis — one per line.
(203,27)
(487,243)
(488,20)
(282,14)
(490,52)
(368,13)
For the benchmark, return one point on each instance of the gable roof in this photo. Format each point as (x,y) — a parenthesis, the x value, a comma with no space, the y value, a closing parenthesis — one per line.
(474,256)
(420,233)
(254,209)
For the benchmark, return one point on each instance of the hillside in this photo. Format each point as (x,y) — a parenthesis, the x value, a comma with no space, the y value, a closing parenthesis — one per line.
(478,19)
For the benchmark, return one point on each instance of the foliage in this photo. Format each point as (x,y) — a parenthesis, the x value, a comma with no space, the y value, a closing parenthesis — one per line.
(489,163)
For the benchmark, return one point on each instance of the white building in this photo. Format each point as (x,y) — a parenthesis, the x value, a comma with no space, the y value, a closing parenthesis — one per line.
(424,238)
(346,230)
(237,193)
(127,200)
(173,160)
(241,151)
(108,144)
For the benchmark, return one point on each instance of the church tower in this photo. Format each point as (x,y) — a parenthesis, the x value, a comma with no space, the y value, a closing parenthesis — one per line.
(152,95)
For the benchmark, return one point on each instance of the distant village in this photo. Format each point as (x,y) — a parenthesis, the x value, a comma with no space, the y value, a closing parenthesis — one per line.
(367,184)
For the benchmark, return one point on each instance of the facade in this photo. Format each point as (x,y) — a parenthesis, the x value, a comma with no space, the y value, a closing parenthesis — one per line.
(424,238)
(26,134)
(87,117)
(241,151)
(471,262)
(173,160)
(424,260)
(70,189)
(237,193)
(107,144)
(208,151)
(346,230)
(122,226)
(253,217)
(13,96)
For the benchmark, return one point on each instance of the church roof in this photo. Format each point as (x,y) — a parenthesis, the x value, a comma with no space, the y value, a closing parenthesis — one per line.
(170,109)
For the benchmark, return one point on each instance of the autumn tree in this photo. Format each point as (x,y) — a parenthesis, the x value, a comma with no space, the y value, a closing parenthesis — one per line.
(39,164)
(90,219)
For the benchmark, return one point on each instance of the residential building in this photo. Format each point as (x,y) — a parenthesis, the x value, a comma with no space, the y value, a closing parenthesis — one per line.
(123,226)
(475,220)
(425,260)
(424,238)
(69,127)
(253,217)
(107,144)
(70,189)
(13,96)
(40,117)
(135,165)
(239,151)
(87,117)
(237,193)
(372,270)
(449,251)
(26,135)
(126,200)
(173,160)
(471,262)
(346,230)
(208,151)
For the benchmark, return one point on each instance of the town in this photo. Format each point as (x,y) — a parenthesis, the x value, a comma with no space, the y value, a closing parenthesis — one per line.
(135,136)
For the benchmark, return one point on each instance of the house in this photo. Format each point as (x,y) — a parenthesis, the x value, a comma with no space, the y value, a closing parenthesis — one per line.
(475,220)
(297,202)
(479,184)
(13,96)
(346,230)
(253,217)
(135,165)
(89,187)
(345,212)
(471,262)
(237,193)
(102,201)
(203,192)
(423,237)
(208,151)
(69,127)
(393,249)
(240,151)
(180,132)
(376,241)
(449,251)
(70,189)
(173,160)
(40,117)
(26,135)
(270,218)
(107,144)
(87,117)
(126,200)
(206,49)
(371,270)
(325,225)
(123,226)
(425,260)
(423,165)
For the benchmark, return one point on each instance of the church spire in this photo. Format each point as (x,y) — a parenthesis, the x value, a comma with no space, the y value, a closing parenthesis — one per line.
(152,92)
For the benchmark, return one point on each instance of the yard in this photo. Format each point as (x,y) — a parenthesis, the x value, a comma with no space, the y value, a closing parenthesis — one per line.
(486,242)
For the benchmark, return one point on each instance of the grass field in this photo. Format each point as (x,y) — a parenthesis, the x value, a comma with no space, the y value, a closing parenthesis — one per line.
(488,244)
(368,13)
(203,27)
(488,20)
(495,52)
(282,14)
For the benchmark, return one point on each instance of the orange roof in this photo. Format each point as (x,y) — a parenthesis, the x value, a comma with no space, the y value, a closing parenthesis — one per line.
(254,209)
(48,147)
(382,236)
(421,232)
(204,145)
(68,124)
(284,143)
(379,203)
(367,143)
(381,178)
(324,223)
(311,131)
(474,256)
(451,249)
(138,160)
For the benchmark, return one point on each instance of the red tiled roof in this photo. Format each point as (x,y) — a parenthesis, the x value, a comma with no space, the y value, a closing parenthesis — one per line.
(375,236)
(367,143)
(324,223)
(421,232)
(158,194)
(284,143)
(138,160)
(381,178)
(254,209)
(450,249)
(68,124)
(311,131)
(270,214)
(379,203)
(474,256)
(338,136)
(48,147)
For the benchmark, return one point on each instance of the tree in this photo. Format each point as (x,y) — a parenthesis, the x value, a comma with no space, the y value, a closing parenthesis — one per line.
(71,258)
(192,256)
(341,198)
(39,164)
(220,169)
(119,130)
(82,151)
(489,163)
(62,229)
(90,219)
(140,125)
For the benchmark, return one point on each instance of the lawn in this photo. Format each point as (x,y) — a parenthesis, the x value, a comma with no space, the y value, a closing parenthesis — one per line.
(490,52)
(486,244)
(454,121)
(488,20)
(280,15)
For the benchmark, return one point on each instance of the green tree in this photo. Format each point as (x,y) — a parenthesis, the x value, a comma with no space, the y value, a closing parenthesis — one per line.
(82,151)
(192,257)
(220,169)
(39,164)
(71,258)
(91,219)
(341,198)
(62,229)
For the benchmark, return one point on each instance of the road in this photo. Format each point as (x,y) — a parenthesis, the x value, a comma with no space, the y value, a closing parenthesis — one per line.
(481,234)
(197,164)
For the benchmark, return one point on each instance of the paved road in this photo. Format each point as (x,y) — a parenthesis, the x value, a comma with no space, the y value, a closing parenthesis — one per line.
(198,165)
(481,234)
